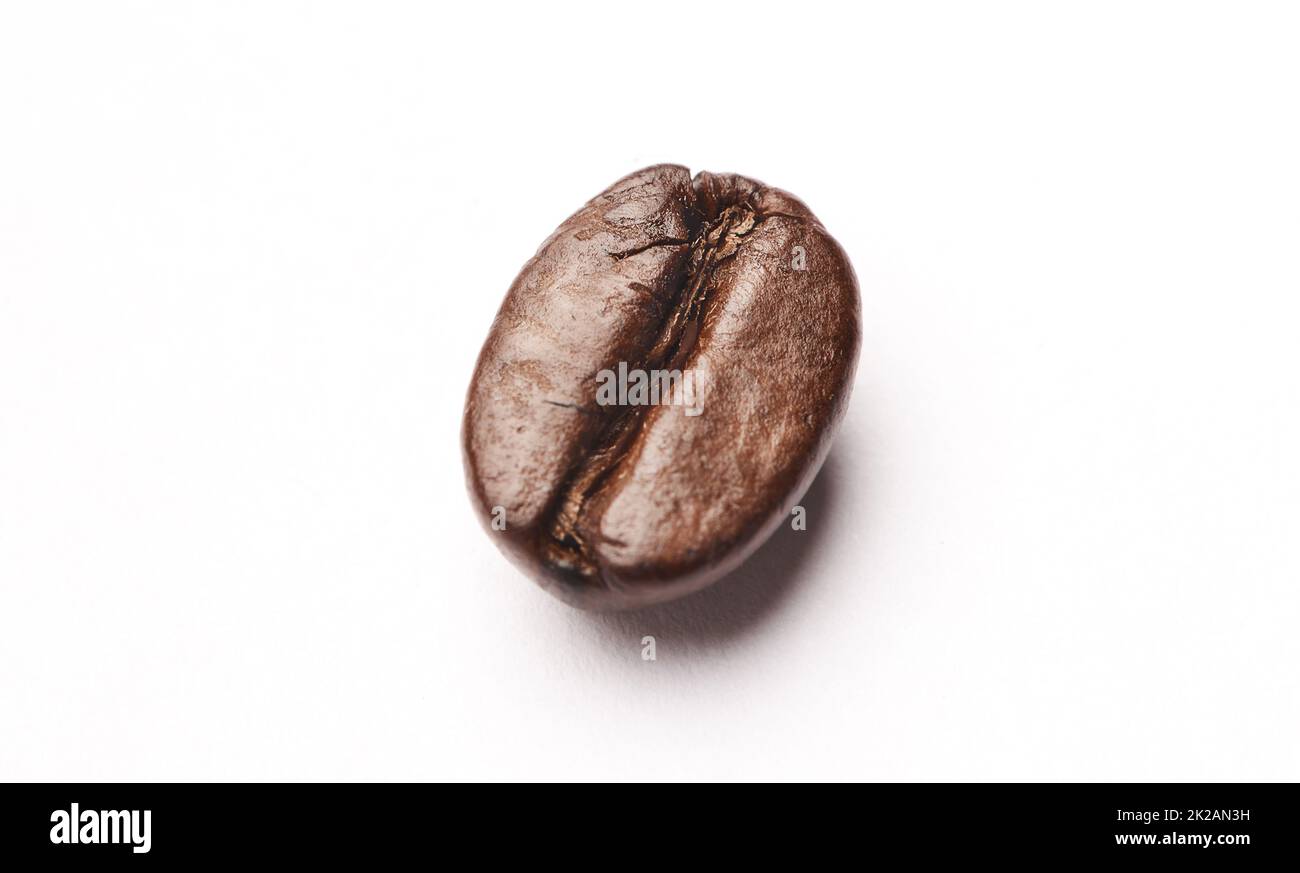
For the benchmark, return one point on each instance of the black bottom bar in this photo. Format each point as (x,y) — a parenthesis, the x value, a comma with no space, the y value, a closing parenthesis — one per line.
(376,823)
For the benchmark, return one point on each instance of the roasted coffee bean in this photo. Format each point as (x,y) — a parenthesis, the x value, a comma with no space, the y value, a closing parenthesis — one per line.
(660,386)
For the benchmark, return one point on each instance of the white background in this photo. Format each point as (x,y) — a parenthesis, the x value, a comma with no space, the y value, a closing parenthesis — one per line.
(248,254)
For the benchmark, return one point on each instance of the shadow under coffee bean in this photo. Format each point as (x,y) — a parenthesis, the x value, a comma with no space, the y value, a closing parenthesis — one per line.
(660,386)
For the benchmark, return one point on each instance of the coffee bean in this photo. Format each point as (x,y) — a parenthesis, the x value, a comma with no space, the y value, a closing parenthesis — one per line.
(660,386)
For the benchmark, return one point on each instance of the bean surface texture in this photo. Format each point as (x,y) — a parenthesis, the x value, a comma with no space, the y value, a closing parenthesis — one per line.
(660,386)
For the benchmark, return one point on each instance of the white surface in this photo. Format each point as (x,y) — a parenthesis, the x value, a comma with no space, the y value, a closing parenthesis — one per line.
(248,255)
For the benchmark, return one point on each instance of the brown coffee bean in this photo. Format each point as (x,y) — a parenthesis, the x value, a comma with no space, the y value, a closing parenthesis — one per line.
(660,386)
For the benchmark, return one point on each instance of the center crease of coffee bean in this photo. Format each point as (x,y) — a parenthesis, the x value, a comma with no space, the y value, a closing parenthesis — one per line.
(714,240)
